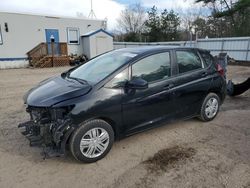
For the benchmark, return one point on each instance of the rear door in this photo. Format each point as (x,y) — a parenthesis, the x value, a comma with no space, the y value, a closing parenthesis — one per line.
(192,82)
(142,108)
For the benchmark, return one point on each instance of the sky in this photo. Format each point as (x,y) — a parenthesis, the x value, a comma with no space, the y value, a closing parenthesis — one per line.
(109,9)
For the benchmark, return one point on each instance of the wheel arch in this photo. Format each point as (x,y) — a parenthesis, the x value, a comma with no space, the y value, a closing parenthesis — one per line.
(111,122)
(217,92)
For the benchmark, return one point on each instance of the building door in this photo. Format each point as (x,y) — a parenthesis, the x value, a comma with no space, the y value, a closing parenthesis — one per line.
(101,45)
(52,33)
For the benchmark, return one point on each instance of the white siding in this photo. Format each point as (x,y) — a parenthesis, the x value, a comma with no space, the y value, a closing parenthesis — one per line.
(27,31)
(13,64)
(86,47)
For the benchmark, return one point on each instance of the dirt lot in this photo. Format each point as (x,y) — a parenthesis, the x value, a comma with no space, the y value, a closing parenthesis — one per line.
(182,154)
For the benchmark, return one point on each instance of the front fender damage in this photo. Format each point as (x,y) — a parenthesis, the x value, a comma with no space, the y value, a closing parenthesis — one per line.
(49,129)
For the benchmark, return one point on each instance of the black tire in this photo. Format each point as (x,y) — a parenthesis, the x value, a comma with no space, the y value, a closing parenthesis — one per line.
(78,134)
(203,116)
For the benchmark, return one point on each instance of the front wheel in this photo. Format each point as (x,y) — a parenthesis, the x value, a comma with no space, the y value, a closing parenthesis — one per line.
(210,107)
(92,141)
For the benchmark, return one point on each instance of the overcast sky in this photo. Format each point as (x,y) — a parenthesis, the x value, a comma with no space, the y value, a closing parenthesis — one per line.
(109,9)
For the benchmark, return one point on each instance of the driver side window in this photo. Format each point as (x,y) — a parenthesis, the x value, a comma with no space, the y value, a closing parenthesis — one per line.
(153,68)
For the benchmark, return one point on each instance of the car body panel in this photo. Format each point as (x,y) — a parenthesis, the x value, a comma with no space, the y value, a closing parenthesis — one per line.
(54,90)
(143,107)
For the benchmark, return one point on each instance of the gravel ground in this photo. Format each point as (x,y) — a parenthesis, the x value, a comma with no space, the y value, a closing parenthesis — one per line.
(181,154)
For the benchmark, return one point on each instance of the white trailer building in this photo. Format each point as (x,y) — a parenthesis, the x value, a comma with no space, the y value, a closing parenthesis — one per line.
(21,33)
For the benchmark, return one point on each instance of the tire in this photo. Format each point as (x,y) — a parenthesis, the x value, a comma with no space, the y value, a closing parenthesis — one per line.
(92,141)
(210,107)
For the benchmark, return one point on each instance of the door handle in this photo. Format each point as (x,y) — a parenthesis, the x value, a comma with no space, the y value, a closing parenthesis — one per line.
(168,86)
(204,74)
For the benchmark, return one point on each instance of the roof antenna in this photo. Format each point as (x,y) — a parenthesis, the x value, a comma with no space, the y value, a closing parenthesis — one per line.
(92,14)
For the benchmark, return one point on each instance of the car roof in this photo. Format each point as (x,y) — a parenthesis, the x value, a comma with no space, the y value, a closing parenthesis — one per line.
(150,49)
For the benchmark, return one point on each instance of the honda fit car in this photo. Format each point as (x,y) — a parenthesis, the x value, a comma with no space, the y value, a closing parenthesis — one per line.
(120,93)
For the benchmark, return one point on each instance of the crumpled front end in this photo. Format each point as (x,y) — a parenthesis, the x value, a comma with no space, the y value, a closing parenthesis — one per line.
(49,128)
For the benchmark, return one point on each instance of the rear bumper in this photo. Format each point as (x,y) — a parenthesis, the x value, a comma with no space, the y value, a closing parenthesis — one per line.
(223,90)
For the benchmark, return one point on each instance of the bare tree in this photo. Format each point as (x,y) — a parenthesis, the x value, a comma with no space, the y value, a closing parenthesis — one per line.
(189,16)
(132,19)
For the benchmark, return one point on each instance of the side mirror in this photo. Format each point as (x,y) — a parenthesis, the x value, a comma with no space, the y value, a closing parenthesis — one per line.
(137,83)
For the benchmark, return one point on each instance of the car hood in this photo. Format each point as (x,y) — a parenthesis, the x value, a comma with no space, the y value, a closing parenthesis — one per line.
(55,90)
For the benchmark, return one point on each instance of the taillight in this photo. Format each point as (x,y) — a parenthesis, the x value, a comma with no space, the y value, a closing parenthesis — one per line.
(220,69)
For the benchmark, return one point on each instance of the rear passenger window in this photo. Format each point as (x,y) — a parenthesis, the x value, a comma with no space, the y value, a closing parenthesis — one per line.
(207,58)
(188,61)
(153,68)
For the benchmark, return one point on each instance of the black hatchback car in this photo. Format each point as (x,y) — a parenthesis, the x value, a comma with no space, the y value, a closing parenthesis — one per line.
(120,93)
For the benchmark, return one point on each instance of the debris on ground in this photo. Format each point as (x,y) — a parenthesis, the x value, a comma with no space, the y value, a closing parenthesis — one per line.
(74,59)
(237,89)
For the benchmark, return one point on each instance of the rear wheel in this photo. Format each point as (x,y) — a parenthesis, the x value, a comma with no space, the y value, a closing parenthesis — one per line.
(92,141)
(210,107)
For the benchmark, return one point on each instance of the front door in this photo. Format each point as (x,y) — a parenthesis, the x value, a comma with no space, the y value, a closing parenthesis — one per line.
(142,108)
(52,33)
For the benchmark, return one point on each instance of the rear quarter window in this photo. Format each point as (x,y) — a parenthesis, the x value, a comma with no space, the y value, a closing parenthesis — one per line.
(207,58)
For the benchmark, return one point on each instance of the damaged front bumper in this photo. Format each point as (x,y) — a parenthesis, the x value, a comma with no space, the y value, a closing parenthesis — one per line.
(49,129)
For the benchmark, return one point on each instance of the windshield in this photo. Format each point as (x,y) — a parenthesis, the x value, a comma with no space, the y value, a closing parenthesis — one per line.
(100,67)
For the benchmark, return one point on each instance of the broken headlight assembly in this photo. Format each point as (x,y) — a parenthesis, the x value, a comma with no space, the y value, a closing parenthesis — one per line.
(48,128)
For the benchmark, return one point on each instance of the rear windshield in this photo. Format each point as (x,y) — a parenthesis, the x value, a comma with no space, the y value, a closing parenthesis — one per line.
(102,66)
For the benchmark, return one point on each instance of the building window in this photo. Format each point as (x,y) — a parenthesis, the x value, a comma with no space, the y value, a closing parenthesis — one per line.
(1,39)
(73,35)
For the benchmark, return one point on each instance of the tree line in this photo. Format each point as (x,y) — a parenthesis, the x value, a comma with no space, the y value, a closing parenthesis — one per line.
(226,18)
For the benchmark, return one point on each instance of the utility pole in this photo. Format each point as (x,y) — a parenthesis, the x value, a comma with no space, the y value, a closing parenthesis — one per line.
(92,13)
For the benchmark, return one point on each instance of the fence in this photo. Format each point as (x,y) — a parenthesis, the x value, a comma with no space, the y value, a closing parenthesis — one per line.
(236,47)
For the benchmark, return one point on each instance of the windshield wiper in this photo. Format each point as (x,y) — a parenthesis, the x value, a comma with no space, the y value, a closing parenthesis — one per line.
(81,81)
(66,73)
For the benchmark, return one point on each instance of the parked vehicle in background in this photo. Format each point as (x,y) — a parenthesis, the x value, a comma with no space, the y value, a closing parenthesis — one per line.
(121,93)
